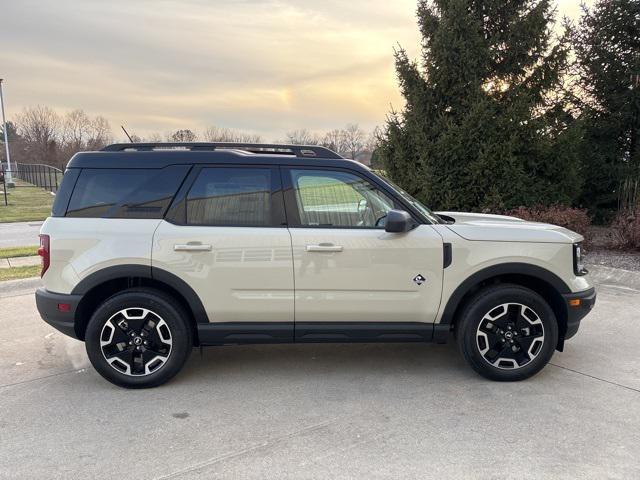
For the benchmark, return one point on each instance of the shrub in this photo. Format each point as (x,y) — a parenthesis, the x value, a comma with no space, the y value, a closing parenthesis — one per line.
(575,219)
(626,227)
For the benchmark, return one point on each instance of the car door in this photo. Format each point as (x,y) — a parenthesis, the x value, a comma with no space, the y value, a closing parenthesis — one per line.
(346,267)
(227,239)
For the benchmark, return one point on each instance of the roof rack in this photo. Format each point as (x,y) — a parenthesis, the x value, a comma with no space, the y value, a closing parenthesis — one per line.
(268,148)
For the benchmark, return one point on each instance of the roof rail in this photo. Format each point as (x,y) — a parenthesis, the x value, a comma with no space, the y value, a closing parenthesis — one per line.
(314,151)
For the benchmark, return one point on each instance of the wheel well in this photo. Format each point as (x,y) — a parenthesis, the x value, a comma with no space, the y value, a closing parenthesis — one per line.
(99,293)
(543,288)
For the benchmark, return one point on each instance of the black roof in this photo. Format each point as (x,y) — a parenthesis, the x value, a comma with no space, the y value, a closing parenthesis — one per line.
(159,155)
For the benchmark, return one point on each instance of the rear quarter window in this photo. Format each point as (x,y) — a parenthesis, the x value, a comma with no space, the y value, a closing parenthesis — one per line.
(125,193)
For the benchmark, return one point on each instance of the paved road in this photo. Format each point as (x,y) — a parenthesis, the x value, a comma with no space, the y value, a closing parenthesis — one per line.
(323,411)
(19,234)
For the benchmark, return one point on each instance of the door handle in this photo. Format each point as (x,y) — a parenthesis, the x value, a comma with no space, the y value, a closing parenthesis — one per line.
(324,247)
(192,247)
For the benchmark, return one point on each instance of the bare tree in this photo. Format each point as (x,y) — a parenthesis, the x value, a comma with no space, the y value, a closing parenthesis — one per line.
(334,139)
(101,133)
(354,140)
(80,132)
(154,137)
(39,126)
(184,135)
(76,129)
(219,134)
(302,137)
(373,139)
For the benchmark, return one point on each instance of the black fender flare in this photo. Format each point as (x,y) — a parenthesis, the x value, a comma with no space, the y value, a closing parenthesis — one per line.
(148,272)
(513,268)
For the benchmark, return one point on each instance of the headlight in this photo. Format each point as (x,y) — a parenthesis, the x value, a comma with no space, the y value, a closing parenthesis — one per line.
(578,260)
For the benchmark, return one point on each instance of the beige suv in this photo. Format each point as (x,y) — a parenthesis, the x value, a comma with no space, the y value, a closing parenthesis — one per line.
(152,249)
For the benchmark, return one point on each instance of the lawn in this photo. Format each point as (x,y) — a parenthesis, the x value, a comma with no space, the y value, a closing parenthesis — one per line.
(26,203)
(16,273)
(18,252)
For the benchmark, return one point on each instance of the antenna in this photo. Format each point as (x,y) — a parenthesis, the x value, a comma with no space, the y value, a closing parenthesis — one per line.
(126,133)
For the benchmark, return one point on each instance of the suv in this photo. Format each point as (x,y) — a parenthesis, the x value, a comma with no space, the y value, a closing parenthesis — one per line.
(152,249)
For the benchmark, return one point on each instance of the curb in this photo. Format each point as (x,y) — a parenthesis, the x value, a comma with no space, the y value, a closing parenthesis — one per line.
(600,274)
(15,262)
(23,286)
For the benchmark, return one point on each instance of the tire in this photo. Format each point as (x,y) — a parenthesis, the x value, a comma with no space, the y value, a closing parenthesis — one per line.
(138,338)
(507,332)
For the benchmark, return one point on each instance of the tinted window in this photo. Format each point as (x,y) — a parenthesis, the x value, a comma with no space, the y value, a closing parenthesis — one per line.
(125,193)
(61,200)
(338,199)
(230,196)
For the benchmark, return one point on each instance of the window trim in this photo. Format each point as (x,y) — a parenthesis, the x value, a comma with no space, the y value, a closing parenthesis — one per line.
(291,205)
(177,213)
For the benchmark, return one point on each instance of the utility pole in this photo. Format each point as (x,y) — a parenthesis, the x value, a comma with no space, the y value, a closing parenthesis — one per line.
(9,177)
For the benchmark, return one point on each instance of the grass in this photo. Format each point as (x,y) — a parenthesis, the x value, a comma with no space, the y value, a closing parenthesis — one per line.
(18,252)
(27,203)
(16,273)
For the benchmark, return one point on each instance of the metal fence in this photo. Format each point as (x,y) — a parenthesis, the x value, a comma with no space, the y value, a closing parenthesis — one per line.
(40,175)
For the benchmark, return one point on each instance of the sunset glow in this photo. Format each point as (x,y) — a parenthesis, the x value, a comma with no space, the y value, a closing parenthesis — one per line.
(261,66)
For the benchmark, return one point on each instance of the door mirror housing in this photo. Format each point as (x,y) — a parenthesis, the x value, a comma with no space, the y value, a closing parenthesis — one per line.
(398,221)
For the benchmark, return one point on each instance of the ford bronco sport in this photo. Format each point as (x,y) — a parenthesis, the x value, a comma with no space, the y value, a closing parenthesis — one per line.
(152,249)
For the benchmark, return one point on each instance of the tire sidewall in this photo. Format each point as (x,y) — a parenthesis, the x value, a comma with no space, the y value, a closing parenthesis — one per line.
(483,303)
(171,313)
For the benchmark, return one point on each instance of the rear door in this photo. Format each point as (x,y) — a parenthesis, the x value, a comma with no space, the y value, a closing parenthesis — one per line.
(226,237)
(347,268)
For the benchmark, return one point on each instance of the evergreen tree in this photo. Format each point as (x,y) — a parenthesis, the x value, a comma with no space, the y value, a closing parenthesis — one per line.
(481,127)
(607,46)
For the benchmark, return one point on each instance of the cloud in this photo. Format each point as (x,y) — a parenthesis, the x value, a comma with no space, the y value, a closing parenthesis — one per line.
(263,66)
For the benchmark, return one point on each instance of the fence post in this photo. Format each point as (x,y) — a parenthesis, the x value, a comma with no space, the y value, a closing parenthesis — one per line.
(4,188)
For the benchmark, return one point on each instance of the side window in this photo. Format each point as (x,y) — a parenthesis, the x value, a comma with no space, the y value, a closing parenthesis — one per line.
(338,199)
(125,192)
(223,196)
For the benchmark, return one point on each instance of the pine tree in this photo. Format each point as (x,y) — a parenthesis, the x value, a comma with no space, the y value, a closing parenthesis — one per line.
(607,46)
(481,127)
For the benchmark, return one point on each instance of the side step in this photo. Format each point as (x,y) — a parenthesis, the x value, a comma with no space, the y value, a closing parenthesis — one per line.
(234,333)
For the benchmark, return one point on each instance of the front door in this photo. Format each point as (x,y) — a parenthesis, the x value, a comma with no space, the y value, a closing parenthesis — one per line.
(346,267)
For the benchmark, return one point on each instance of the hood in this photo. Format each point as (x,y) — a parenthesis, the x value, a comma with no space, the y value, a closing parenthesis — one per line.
(501,228)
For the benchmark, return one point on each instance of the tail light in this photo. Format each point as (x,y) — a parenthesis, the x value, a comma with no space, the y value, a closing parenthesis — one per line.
(45,253)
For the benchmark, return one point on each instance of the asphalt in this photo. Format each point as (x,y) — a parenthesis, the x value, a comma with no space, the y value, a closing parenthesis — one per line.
(19,234)
(325,411)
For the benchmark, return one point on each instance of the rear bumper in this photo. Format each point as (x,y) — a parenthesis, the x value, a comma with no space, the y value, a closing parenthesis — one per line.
(583,303)
(53,310)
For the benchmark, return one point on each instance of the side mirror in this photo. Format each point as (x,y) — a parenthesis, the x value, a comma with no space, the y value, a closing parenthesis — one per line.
(398,221)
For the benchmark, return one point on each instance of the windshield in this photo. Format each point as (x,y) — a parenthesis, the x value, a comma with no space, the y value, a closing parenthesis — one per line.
(432,217)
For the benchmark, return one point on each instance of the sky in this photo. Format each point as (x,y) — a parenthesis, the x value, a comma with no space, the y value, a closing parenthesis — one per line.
(265,67)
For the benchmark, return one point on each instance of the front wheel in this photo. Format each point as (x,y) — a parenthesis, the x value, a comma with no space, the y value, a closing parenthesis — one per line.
(138,338)
(507,332)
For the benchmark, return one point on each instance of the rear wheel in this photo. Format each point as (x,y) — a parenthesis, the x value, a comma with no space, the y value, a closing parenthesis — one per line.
(138,338)
(507,332)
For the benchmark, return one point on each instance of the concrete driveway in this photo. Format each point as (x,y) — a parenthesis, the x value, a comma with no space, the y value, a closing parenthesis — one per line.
(324,411)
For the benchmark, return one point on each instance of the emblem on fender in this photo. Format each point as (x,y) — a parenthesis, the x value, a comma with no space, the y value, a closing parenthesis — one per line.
(419,279)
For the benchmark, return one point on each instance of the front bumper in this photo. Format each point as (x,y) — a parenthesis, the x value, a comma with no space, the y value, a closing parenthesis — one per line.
(58,310)
(578,305)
